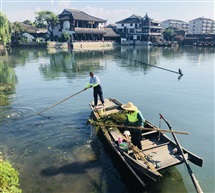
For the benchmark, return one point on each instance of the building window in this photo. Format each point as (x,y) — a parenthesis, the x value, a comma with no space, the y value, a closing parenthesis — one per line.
(61,25)
(131,24)
(122,24)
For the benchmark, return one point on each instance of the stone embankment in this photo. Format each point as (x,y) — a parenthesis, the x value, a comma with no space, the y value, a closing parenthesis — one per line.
(93,45)
(82,45)
(62,45)
(76,45)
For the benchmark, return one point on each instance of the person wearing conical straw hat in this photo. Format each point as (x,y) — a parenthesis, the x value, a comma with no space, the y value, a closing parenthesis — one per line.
(134,118)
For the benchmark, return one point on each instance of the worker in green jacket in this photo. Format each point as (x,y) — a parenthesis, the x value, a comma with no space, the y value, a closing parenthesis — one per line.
(135,119)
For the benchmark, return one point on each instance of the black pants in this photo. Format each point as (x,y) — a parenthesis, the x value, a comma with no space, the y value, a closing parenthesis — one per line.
(97,91)
(136,138)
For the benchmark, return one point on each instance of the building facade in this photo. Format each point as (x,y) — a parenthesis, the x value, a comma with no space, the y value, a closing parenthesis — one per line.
(179,24)
(80,26)
(202,25)
(138,30)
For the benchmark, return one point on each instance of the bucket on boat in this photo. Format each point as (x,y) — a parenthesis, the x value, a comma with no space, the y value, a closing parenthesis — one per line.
(127,133)
(100,110)
(123,146)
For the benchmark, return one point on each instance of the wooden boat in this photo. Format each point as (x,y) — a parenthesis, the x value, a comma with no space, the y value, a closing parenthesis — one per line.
(158,151)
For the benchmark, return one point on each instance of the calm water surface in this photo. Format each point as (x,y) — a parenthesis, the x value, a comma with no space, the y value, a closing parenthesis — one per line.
(59,152)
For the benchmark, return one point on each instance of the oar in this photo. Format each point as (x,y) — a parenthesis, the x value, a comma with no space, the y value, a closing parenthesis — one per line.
(141,128)
(195,182)
(60,102)
(179,70)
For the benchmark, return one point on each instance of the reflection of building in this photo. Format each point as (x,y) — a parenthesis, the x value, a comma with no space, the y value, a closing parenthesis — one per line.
(202,25)
(80,26)
(179,24)
(138,30)
(140,57)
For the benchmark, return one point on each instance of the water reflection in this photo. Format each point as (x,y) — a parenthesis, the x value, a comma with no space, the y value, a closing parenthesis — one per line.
(52,153)
(8,79)
(67,63)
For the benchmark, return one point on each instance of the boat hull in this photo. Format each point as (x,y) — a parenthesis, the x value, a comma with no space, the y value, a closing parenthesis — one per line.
(158,151)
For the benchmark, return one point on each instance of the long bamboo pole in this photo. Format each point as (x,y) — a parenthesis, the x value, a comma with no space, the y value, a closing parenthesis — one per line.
(194,180)
(179,71)
(141,154)
(60,102)
(142,128)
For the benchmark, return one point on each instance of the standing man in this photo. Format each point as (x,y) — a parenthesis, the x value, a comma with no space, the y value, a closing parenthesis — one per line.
(135,119)
(97,89)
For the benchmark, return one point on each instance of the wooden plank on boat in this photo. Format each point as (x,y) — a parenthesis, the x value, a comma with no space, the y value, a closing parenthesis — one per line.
(148,133)
(147,142)
(115,133)
(155,146)
(171,162)
(111,106)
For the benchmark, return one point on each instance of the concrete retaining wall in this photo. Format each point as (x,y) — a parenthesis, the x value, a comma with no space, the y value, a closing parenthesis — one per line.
(57,45)
(93,45)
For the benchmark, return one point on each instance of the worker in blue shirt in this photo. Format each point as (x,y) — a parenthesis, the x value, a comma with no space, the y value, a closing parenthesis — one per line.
(97,89)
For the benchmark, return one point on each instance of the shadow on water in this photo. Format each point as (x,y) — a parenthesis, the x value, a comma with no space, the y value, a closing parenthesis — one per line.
(72,168)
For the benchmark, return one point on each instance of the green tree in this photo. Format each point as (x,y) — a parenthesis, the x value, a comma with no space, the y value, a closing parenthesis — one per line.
(168,34)
(28,22)
(46,19)
(17,31)
(65,36)
(5,29)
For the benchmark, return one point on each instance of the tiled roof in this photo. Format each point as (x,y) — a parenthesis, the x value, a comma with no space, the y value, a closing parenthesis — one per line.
(29,28)
(202,18)
(110,33)
(111,26)
(80,15)
(32,29)
(107,32)
(64,18)
(131,19)
(174,20)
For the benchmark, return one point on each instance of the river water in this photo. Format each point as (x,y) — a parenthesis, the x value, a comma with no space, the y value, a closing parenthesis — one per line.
(59,152)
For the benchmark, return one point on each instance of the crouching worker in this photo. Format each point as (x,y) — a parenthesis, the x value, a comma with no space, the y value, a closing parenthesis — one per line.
(135,119)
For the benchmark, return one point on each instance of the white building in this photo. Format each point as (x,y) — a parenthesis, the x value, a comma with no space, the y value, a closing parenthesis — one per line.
(80,26)
(138,30)
(129,29)
(202,25)
(179,24)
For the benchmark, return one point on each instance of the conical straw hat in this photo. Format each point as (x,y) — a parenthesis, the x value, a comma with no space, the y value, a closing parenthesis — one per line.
(129,106)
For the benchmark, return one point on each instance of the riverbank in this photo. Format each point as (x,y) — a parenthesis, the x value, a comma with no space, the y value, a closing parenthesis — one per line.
(93,45)
(75,45)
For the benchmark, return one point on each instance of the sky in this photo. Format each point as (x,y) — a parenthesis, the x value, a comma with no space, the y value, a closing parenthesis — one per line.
(112,10)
